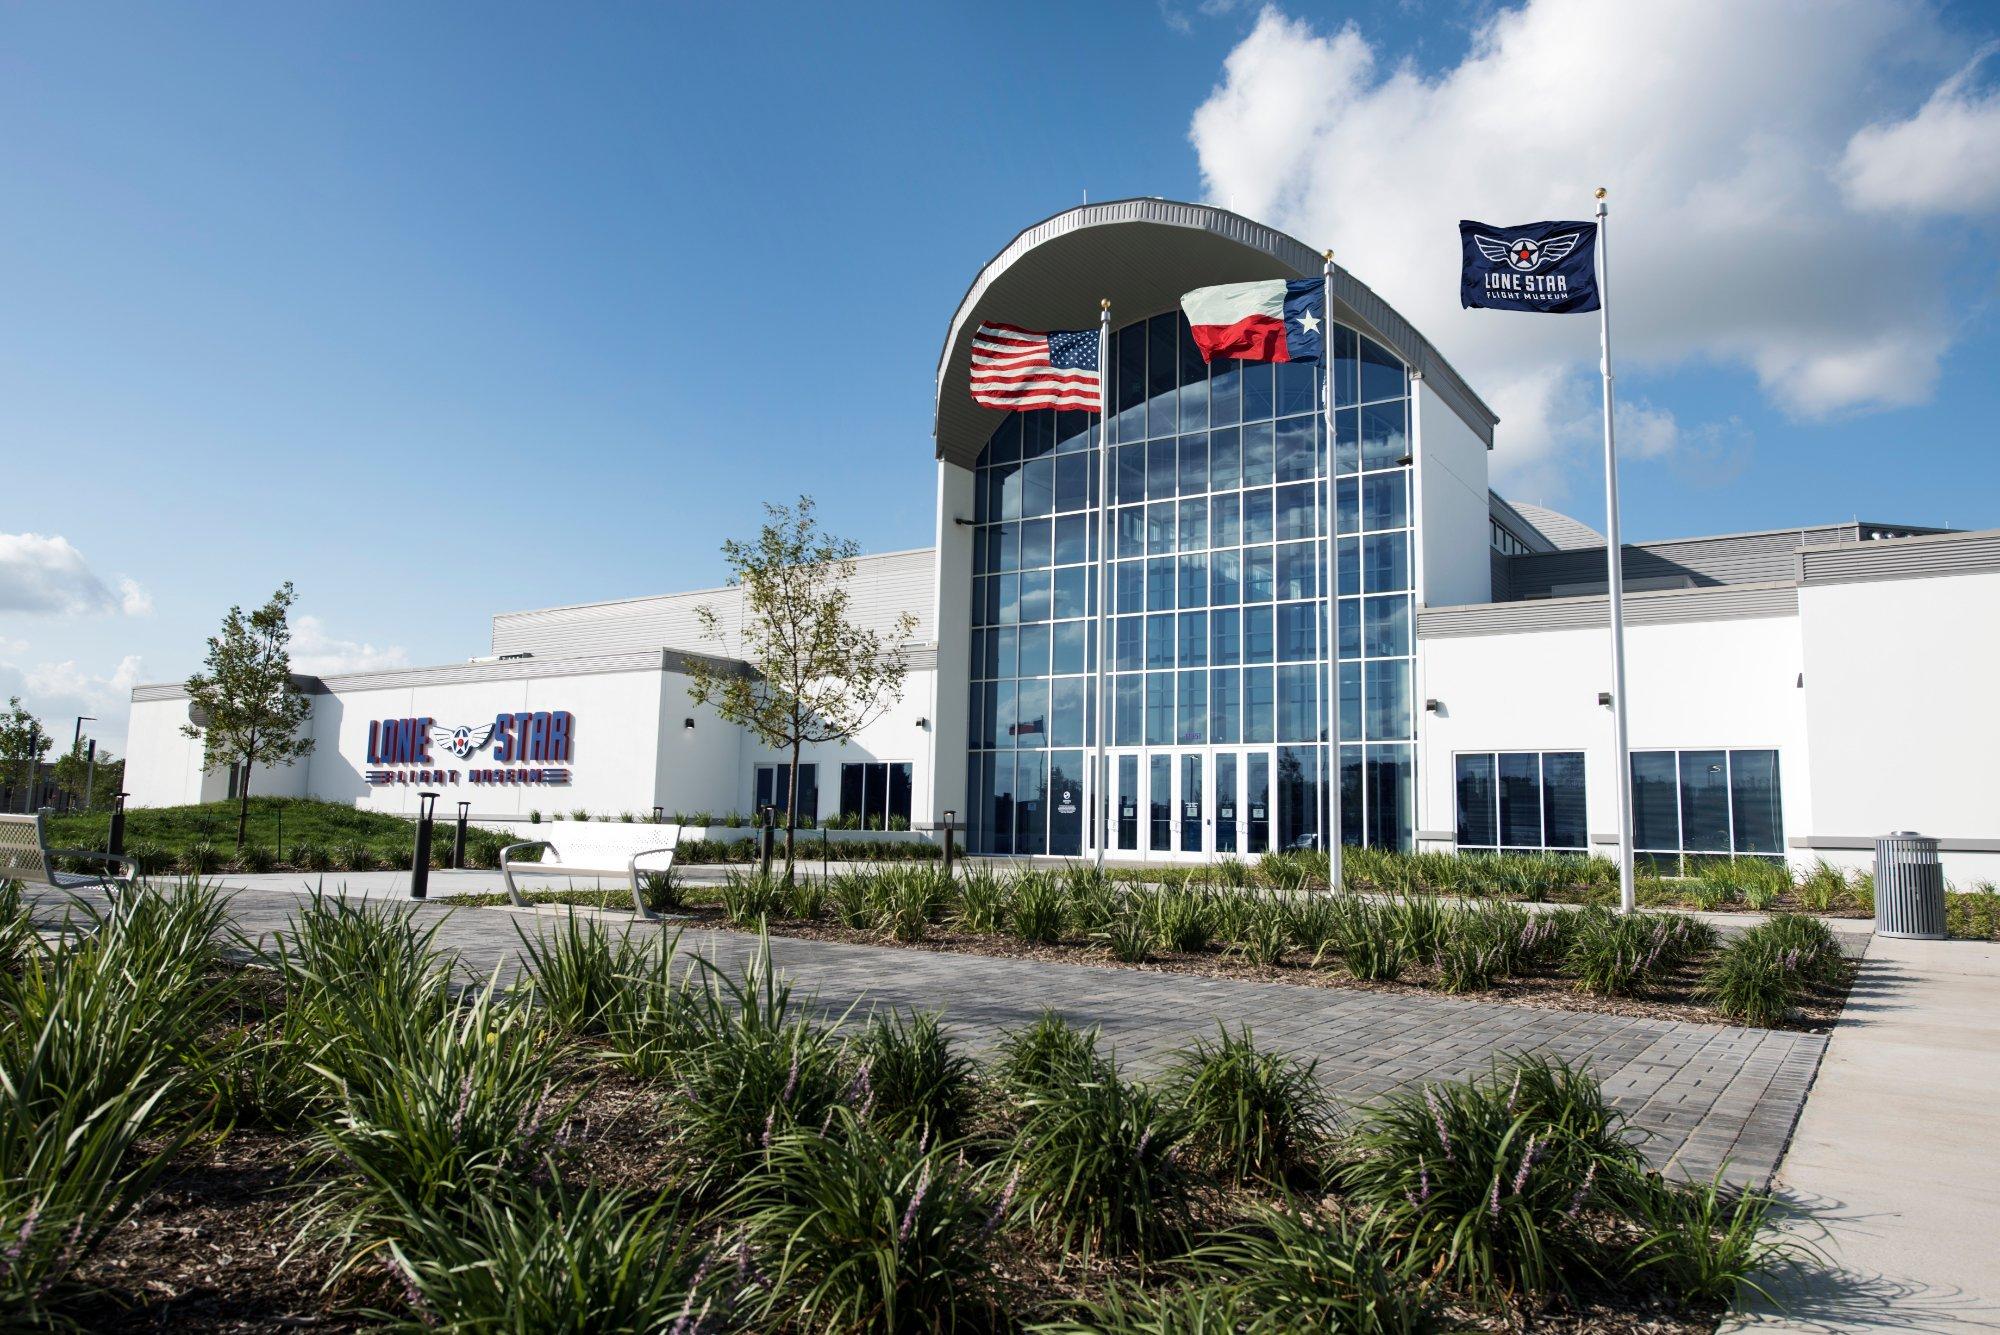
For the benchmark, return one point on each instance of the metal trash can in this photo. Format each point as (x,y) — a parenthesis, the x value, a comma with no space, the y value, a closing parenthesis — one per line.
(1909,887)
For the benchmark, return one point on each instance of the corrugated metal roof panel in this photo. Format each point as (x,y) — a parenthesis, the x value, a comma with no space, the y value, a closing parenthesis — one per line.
(1902,558)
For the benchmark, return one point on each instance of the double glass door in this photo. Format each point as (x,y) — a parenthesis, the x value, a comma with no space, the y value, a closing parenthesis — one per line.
(1192,805)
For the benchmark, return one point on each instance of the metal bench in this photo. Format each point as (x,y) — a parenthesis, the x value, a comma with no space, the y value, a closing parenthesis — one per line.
(584,848)
(25,856)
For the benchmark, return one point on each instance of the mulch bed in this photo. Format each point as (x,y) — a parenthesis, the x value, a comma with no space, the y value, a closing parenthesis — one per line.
(1669,997)
(213,1248)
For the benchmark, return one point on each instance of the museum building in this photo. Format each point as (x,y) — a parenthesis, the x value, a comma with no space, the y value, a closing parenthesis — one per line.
(1441,682)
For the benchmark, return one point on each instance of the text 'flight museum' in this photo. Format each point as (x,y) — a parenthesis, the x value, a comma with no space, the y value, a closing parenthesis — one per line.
(1793,693)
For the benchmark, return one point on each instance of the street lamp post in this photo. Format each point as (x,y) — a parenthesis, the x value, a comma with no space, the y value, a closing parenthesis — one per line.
(76,741)
(420,869)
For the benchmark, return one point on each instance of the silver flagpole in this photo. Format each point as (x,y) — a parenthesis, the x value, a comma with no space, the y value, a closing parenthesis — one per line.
(1101,785)
(1614,577)
(1332,693)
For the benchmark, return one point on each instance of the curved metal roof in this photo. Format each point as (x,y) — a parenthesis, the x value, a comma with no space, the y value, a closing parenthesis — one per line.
(1143,254)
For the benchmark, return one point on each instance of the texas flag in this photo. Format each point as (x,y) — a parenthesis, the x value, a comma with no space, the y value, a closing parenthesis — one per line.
(1270,320)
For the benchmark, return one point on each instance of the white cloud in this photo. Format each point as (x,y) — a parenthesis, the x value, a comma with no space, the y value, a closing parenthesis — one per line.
(1943,159)
(133,601)
(58,692)
(316,652)
(1733,241)
(49,575)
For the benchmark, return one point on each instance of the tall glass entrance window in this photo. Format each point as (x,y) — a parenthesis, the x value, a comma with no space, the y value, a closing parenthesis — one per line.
(1215,622)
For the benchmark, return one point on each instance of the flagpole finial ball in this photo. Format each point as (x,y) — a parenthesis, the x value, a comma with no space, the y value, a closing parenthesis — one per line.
(1600,192)
(1329,256)
(1104,304)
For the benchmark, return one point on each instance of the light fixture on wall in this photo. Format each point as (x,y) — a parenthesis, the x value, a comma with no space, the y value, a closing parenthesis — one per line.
(1604,698)
(687,725)
(1431,706)
(923,723)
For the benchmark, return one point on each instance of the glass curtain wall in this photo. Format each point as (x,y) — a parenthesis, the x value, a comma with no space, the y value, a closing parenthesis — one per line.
(1217,634)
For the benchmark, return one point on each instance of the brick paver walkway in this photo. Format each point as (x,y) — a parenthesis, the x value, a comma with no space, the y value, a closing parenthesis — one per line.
(1706,1095)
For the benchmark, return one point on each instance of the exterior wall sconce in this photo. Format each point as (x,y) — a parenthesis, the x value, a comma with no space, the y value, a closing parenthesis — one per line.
(1604,698)
(687,725)
(923,723)
(1432,706)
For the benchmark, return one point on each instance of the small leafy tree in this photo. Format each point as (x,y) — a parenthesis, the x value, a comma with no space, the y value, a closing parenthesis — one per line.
(814,676)
(85,784)
(23,743)
(250,710)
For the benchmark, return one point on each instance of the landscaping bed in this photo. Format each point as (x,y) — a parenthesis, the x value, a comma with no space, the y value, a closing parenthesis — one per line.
(1661,965)
(347,1132)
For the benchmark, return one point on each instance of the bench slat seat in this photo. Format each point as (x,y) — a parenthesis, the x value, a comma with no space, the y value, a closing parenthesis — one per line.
(582,848)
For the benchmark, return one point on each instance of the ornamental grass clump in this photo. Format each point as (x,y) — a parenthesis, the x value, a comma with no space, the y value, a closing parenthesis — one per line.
(1129,937)
(1809,943)
(1249,1114)
(1614,954)
(1037,908)
(1265,934)
(558,1259)
(576,973)
(1184,920)
(982,902)
(649,1026)
(853,1229)
(1292,1270)
(351,978)
(751,1069)
(1370,946)
(748,900)
(101,1028)
(1707,1242)
(1098,1167)
(852,897)
(1485,1182)
(909,899)
(1048,1054)
(921,1083)
(438,1116)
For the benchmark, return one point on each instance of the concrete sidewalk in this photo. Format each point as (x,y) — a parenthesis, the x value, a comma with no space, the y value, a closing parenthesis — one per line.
(1896,1154)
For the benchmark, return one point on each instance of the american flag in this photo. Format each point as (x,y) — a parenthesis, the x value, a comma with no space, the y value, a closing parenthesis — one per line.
(1023,368)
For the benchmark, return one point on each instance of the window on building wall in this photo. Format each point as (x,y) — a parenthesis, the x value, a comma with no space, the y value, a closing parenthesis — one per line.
(1509,800)
(875,795)
(1688,805)
(774,789)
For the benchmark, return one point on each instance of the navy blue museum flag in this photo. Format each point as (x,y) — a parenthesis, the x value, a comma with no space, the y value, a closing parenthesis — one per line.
(1544,266)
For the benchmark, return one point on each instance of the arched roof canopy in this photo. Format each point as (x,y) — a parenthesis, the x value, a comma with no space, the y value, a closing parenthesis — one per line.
(1143,254)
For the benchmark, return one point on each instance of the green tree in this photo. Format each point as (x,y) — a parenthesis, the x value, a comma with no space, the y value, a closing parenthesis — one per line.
(23,743)
(86,785)
(813,676)
(245,707)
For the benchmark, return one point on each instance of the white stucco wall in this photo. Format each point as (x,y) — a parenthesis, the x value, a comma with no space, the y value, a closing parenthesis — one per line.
(1901,698)
(1453,509)
(1729,683)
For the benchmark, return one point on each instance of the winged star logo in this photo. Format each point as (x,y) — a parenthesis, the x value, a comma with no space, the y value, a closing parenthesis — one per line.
(1523,255)
(461,741)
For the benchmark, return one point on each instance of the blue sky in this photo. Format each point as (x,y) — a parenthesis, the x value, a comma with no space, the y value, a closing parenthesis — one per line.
(443,310)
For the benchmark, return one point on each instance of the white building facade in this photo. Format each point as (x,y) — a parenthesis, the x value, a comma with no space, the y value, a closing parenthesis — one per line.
(1437,684)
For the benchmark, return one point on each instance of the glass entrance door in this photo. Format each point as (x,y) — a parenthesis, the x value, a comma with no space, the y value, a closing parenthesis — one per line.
(1191,806)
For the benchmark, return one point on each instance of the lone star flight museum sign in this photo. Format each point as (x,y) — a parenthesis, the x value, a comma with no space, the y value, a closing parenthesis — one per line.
(529,748)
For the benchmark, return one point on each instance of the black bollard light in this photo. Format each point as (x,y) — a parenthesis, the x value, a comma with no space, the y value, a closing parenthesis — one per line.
(458,839)
(768,838)
(420,870)
(948,849)
(659,815)
(117,848)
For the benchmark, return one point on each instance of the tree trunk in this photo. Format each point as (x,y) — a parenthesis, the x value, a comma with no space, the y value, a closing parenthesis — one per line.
(792,810)
(243,807)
